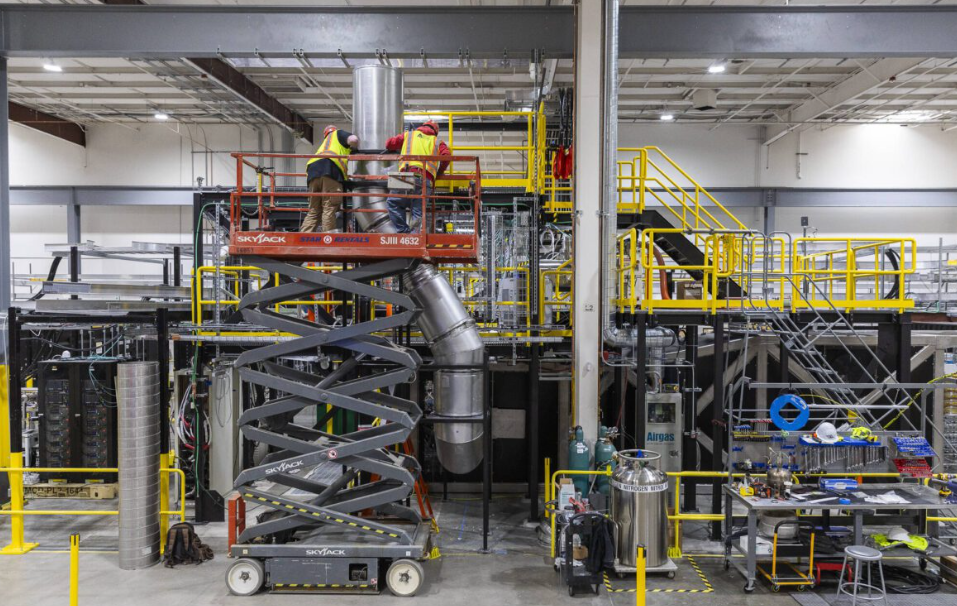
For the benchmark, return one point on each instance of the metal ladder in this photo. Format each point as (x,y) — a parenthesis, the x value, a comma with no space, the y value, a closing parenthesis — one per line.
(308,481)
(800,341)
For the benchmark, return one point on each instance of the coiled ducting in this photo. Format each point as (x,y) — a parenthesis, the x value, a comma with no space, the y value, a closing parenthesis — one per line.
(446,325)
(138,419)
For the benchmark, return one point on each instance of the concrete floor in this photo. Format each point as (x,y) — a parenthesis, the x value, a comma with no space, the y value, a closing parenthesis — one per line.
(516,572)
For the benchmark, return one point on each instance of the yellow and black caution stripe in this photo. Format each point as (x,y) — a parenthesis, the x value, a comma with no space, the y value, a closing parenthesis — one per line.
(707,584)
(321,516)
(450,246)
(307,586)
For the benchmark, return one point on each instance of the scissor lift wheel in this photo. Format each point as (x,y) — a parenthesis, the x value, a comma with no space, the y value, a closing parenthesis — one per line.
(245,577)
(405,578)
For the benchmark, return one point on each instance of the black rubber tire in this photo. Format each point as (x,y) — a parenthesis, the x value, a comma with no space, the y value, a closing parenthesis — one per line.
(747,590)
(776,588)
(671,574)
(571,590)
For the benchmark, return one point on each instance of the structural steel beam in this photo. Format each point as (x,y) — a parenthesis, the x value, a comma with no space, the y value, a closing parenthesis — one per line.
(471,32)
(232,79)
(867,79)
(47,123)
(6,261)
(789,31)
(732,197)
(173,32)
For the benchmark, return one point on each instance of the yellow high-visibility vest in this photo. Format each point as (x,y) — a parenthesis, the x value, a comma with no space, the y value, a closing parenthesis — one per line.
(331,147)
(418,143)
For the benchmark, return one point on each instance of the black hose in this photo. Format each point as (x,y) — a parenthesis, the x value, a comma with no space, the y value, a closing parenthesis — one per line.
(893,258)
(907,581)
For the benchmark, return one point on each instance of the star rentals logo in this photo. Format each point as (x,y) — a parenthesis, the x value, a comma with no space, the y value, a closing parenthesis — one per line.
(261,239)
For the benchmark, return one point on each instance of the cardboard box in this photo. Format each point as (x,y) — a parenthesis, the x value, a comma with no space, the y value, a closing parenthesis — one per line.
(566,492)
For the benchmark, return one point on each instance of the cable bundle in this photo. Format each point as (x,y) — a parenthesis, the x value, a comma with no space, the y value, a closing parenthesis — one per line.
(907,581)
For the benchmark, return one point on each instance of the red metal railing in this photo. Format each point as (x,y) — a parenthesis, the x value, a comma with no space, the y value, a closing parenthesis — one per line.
(270,198)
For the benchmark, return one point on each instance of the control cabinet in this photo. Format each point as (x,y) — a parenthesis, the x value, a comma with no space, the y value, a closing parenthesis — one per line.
(77,417)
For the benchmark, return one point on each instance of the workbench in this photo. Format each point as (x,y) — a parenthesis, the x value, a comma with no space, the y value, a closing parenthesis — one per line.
(920,498)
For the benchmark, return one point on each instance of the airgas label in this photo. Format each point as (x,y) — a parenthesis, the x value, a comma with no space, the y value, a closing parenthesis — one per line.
(660,437)
(639,487)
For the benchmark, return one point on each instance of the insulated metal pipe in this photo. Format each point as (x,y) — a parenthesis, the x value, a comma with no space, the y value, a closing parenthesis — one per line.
(138,403)
(446,325)
(610,334)
(377,116)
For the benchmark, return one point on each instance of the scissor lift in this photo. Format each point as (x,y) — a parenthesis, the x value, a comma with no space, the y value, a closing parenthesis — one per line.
(323,527)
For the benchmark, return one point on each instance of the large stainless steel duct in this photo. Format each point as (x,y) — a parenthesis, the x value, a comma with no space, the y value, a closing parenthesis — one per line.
(137,398)
(376,116)
(446,325)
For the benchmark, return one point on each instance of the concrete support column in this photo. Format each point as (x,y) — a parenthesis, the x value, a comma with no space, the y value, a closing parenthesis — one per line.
(586,343)
(6,284)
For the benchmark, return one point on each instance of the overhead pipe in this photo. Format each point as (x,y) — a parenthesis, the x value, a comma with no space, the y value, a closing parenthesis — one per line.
(611,334)
(614,336)
(449,330)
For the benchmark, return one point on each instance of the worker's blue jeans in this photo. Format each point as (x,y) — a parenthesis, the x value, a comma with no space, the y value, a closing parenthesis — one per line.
(399,206)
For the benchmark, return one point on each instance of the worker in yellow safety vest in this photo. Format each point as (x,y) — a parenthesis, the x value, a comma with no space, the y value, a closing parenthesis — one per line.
(423,141)
(325,174)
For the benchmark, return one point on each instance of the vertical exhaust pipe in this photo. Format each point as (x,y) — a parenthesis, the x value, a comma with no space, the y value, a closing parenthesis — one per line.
(447,327)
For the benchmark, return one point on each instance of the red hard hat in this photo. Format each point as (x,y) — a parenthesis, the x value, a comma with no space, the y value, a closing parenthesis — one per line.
(328,130)
(433,126)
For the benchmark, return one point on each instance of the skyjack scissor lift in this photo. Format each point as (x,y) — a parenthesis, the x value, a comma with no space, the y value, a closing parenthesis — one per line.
(332,517)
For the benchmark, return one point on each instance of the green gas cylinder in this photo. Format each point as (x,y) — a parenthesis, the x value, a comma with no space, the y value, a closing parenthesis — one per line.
(579,460)
(604,450)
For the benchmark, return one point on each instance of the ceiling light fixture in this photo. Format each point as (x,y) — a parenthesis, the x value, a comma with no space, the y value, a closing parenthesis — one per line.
(50,66)
(667,117)
(161,116)
(717,68)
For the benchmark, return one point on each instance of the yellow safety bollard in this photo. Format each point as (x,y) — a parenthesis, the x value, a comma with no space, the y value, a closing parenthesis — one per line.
(166,460)
(548,484)
(17,545)
(640,577)
(74,569)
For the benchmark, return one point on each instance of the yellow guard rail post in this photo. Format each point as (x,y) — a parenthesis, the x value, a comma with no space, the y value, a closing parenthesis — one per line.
(74,569)
(640,576)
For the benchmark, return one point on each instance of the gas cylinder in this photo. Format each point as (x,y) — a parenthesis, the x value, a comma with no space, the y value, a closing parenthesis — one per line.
(579,460)
(604,451)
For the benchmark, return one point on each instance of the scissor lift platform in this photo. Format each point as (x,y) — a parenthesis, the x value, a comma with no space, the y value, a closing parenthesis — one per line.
(448,231)
(354,247)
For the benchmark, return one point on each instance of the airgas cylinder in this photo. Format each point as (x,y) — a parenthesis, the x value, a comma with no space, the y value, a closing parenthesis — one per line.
(604,451)
(579,460)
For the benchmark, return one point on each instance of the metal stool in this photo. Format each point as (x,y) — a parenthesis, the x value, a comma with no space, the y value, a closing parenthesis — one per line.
(859,554)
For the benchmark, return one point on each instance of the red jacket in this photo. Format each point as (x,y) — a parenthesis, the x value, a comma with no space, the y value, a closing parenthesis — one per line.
(395,144)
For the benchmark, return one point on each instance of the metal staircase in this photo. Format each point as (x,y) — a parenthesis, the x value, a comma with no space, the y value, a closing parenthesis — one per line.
(683,251)
(308,483)
(800,339)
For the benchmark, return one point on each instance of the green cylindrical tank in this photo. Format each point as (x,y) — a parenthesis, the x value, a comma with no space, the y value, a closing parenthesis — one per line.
(579,460)
(604,450)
